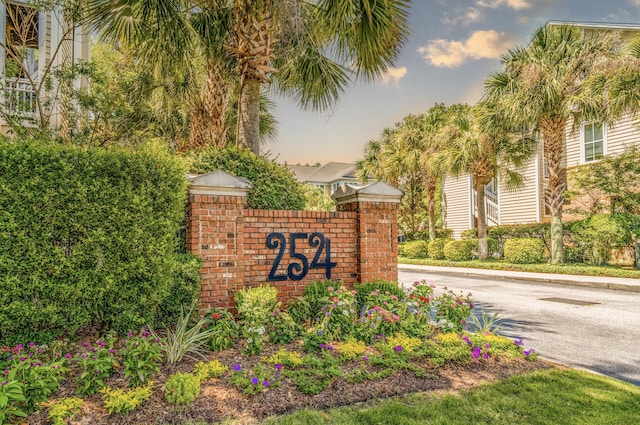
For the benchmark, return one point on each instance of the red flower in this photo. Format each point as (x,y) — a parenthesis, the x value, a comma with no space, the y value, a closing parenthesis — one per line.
(215,316)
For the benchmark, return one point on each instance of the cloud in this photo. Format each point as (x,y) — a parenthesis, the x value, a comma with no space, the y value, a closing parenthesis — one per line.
(393,75)
(514,4)
(469,16)
(480,45)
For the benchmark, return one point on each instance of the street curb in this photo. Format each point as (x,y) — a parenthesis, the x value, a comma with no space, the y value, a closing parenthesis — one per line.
(552,280)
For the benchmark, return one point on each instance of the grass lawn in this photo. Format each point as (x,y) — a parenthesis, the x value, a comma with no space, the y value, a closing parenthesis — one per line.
(551,397)
(575,269)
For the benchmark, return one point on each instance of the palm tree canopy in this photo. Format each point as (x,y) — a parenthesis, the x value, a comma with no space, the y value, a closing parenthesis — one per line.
(551,77)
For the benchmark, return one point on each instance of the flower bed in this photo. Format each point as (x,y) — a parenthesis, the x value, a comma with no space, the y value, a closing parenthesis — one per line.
(329,350)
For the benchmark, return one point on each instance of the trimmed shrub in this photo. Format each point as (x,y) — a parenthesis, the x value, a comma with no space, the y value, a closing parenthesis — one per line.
(86,237)
(460,250)
(274,186)
(415,249)
(423,235)
(182,388)
(183,290)
(523,250)
(436,248)
(600,233)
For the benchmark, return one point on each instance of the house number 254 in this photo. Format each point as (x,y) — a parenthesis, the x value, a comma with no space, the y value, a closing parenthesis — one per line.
(298,270)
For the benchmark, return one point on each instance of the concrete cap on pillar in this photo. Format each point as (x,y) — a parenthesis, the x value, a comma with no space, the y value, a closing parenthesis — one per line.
(218,183)
(372,192)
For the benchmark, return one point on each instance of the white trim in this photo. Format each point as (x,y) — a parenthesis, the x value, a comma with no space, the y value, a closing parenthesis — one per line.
(581,139)
(3,33)
(472,210)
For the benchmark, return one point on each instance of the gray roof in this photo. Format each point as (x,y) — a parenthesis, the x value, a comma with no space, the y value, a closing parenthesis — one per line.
(598,25)
(327,173)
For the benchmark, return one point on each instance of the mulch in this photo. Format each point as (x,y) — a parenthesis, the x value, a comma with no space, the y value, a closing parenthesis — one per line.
(219,400)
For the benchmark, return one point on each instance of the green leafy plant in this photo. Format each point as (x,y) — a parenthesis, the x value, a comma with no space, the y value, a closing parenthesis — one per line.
(452,311)
(337,315)
(484,323)
(11,397)
(186,339)
(378,292)
(209,370)
(259,379)
(460,250)
(225,331)
(281,328)
(436,248)
(64,409)
(141,357)
(523,250)
(125,401)
(254,307)
(402,342)
(316,373)
(351,349)
(416,249)
(447,348)
(97,364)
(182,388)
(285,357)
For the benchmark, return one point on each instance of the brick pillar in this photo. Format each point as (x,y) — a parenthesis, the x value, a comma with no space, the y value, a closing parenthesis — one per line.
(376,206)
(215,214)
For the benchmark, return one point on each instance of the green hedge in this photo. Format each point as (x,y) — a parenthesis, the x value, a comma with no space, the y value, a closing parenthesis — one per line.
(436,248)
(424,235)
(87,237)
(461,250)
(274,186)
(415,249)
(523,250)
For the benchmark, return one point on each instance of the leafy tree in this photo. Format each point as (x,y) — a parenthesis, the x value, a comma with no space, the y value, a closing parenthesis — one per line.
(548,85)
(612,183)
(317,199)
(477,142)
(307,48)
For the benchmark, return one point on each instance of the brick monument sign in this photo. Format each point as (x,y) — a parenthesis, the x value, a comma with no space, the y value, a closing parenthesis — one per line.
(242,247)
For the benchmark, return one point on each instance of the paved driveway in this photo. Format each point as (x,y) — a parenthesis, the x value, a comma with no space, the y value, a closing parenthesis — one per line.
(595,329)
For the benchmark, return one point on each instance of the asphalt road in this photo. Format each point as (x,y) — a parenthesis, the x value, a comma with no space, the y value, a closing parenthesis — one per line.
(594,329)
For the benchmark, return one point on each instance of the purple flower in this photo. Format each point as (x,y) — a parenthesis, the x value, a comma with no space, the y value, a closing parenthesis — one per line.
(276,375)
(101,344)
(486,345)
(54,367)
(85,344)
(486,356)
(278,367)
(67,356)
(237,367)
(97,371)
(398,348)
(528,352)
(469,343)
(365,358)
(58,354)
(32,344)
(518,342)
(476,352)
(4,383)
(23,359)
(266,383)
(254,381)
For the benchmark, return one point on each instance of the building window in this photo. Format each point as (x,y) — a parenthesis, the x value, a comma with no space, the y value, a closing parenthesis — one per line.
(593,134)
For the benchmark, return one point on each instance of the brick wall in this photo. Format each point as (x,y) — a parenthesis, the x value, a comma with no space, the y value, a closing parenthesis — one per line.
(233,240)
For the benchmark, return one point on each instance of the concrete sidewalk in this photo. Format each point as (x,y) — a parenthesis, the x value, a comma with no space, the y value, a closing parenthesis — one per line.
(618,283)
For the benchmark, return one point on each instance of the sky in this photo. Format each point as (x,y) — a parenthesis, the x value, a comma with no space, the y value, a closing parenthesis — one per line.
(453,47)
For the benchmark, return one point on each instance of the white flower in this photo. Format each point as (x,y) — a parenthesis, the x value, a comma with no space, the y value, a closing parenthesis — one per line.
(345,312)
(260,330)
(249,340)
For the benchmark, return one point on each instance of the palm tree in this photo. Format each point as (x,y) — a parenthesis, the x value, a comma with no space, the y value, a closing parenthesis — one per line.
(544,87)
(477,142)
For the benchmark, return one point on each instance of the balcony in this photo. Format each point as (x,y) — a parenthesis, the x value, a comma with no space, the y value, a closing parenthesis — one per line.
(19,98)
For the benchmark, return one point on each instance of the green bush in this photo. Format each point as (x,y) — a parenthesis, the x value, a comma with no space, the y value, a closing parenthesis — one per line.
(364,290)
(274,186)
(423,235)
(86,236)
(460,250)
(416,249)
(523,250)
(183,290)
(182,388)
(600,233)
(436,248)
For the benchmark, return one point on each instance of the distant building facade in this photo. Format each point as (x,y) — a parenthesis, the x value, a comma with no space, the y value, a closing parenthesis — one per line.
(328,177)
(590,143)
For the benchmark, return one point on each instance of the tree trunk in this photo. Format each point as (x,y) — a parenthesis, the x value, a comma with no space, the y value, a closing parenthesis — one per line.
(483,243)
(207,125)
(431,188)
(553,134)
(249,116)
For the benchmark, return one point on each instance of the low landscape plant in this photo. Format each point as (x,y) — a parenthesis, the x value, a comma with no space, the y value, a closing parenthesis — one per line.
(255,305)
(63,410)
(281,328)
(452,310)
(186,339)
(11,399)
(460,250)
(209,370)
(125,401)
(97,364)
(262,377)
(523,250)
(141,357)
(225,331)
(436,248)
(416,249)
(182,388)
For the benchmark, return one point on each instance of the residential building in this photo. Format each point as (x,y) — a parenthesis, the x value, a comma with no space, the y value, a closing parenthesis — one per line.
(328,177)
(33,43)
(589,143)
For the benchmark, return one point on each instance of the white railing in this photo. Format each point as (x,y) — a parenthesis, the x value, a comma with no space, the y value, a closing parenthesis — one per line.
(19,97)
(491,208)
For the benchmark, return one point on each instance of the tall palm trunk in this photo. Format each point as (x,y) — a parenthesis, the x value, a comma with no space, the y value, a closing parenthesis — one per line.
(553,134)
(207,126)
(254,38)
(249,116)
(431,188)
(483,243)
